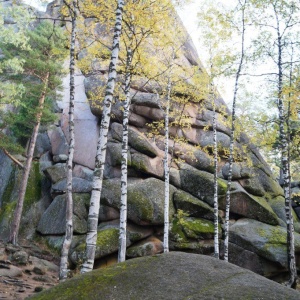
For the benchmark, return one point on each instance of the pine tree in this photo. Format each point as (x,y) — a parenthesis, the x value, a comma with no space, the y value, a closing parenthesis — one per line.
(42,62)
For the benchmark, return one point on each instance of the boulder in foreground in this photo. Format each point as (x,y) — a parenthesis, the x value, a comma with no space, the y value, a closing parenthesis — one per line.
(175,275)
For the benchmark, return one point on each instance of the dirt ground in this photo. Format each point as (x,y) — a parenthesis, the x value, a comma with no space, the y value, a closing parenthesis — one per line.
(25,270)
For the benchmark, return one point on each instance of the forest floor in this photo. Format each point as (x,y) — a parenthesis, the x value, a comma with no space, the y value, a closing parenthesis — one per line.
(26,269)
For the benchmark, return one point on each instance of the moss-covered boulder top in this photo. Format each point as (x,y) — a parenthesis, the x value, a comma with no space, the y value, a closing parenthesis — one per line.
(174,275)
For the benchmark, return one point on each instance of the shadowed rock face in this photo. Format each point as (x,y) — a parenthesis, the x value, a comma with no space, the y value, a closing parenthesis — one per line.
(170,276)
(257,200)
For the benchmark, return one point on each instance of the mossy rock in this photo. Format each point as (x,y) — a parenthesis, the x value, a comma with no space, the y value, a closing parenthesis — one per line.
(145,199)
(53,221)
(265,240)
(169,276)
(200,183)
(278,206)
(198,228)
(10,196)
(205,247)
(250,206)
(143,163)
(107,243)
(192,206)
(114,155)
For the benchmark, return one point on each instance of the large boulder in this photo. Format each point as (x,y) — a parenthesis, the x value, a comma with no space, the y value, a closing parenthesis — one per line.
(53,221)
(266,241)
(170,276)
(145,199)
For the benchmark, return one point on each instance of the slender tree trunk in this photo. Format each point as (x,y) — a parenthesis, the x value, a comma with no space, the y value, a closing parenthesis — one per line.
(285,168)
(63,274)
(227,208)
(26,171)
(93,217)
(166,167)
(13,159)
(216,204)
(123,202)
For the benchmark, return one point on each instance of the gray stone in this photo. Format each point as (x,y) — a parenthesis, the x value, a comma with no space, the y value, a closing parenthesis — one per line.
(145,99)
(43,264)
(156,277)
(147,165)
(45,161)
(136,140)
(114,154)
(251,261)
(205,138)
(59,144)
(83,172)
(53,221)
(60,158)
(43,144)
(79,185)
(20,257)
(151,113)
(12,271)
(250,206)
(192,205)
(107,213)
(236,171)
(5,173)
(150,246)
(278,206)
(205,247)
(265,240)
(145,199)
(200,183)
(108,240)
(56,172)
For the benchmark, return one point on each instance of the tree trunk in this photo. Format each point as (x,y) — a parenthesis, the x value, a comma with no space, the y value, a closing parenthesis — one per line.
(227,207)
(123,202)
(166,168)
(13,159)
(285,168)
(216,204)
(63,274)
(93,217)
(26,171)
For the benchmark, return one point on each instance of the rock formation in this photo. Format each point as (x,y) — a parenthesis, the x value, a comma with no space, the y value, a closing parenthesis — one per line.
(170,276)
(257,232)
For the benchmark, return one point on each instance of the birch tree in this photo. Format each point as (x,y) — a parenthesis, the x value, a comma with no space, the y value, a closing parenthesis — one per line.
(136,35)
(242,8)
(93,216)
(279,23)
(220,26)
(63,274)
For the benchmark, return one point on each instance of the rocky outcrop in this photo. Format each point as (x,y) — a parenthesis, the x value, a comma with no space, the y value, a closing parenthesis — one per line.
(170,276)
(256,196)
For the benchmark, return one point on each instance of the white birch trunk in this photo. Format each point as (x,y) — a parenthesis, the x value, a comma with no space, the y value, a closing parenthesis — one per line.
(285,168)
(167,171)
(216,204)
(123,202)
(26,171)
(63,273)
(93,216)
(227,207)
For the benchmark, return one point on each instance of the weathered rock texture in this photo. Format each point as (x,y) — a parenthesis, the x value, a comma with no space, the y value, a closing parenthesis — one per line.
(257,237)
(170,276)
